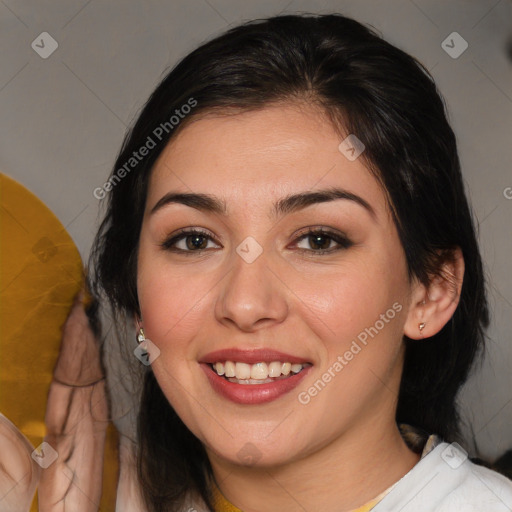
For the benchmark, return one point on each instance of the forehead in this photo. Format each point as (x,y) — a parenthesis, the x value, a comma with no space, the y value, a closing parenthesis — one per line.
(260,156)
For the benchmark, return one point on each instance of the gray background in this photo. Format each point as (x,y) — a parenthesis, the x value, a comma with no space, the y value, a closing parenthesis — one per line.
(63,118)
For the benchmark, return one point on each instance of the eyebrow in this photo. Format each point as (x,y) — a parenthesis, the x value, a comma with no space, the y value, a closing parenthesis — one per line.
(289,204)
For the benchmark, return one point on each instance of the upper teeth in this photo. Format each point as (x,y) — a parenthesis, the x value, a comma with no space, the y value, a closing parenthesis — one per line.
(258,371)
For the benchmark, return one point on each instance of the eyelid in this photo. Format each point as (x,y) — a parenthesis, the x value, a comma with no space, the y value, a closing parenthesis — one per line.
(318,228)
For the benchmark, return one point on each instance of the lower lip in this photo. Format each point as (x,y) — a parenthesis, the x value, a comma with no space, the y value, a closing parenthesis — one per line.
(253,393)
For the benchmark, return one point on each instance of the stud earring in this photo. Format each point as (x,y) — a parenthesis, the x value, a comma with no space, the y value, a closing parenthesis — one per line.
(140,336)
(421,326)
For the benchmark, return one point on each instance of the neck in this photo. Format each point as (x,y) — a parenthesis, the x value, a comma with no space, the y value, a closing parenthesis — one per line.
(344,475)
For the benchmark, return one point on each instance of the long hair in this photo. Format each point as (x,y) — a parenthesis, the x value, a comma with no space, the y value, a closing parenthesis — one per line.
(367,87)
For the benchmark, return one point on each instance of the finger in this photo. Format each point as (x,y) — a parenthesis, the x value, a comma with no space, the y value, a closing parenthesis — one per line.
(79,361)
(77,419)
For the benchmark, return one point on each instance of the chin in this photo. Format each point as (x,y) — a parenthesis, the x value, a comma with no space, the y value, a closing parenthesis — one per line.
(254,449)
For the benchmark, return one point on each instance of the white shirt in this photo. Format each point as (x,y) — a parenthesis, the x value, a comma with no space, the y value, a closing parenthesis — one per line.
(445,480)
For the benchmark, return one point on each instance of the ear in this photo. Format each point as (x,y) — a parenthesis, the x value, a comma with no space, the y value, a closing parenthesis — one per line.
(434,304)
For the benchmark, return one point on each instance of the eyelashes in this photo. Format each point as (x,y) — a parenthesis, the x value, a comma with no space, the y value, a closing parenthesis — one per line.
(197,241)
(193,238)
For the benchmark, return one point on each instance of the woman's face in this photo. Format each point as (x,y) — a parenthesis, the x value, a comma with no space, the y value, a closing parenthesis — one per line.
(296,265)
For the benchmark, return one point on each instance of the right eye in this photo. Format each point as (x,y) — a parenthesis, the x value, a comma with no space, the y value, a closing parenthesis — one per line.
(190,241)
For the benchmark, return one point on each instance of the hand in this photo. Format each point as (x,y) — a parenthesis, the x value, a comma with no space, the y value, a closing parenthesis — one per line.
(76,420)
(19,474)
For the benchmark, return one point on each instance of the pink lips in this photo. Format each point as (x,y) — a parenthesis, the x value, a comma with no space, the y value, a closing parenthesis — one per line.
(251,394)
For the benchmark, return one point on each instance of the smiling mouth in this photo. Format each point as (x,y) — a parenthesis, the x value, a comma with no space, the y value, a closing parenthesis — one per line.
(259,373)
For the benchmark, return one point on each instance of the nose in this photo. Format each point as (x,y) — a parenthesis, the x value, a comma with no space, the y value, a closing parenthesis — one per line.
(251,296)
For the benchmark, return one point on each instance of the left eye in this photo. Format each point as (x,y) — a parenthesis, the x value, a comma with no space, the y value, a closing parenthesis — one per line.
(322,241)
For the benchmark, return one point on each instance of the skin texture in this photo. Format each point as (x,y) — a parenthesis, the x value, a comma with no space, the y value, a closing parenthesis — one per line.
(343,447)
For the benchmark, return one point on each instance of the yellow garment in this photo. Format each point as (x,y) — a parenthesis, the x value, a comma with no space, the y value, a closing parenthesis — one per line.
(40,273)
(221,504)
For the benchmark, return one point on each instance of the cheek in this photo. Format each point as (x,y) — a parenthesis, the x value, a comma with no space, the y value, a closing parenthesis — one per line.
(359,317)
(345,302)
(172,305)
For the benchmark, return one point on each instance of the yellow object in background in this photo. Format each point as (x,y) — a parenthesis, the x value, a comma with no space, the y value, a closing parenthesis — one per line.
(40,274)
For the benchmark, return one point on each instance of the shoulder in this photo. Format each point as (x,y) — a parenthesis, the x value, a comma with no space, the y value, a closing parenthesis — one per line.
(445,480)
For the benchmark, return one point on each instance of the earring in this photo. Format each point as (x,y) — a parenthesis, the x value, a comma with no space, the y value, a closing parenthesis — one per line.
(421,326)
(140,336)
